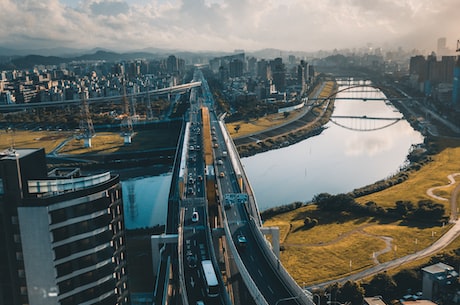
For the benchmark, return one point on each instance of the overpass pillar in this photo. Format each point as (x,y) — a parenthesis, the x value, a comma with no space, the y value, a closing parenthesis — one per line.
(218,232)
(275,233)
(156,242)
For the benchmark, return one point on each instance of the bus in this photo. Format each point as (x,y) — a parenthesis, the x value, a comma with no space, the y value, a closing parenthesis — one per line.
(210,278)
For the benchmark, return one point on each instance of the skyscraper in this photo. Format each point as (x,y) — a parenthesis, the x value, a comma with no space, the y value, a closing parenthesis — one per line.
(456,85)
(61,234)
(442,49)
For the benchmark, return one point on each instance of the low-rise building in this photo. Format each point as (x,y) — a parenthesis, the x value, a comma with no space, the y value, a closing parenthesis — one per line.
(438,280)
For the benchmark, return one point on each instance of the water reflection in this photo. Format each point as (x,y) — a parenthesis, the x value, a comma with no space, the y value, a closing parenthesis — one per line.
(339,160)
(145,200)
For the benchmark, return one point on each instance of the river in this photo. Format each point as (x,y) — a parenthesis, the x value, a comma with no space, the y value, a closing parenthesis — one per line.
(338,160)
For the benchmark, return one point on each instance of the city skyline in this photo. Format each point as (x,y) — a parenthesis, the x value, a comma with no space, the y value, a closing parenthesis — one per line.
(224,25)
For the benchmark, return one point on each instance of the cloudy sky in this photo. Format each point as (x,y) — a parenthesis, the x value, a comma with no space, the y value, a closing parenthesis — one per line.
(225,25)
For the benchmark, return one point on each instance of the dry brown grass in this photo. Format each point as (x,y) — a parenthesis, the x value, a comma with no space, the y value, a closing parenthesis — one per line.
(273,120)
(33,139)
(106,142)
(324,252)
(430,175)
(261,124)
(103,142)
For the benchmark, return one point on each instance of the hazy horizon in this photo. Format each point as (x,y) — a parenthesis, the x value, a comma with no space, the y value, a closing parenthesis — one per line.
(226,25)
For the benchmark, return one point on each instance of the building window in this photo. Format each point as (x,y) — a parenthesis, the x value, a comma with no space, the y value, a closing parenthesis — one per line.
(1,187)
(14,220)
(19,256)
(23,290)
(21,273)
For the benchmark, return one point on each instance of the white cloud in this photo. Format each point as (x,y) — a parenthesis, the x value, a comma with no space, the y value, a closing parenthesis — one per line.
(227,24)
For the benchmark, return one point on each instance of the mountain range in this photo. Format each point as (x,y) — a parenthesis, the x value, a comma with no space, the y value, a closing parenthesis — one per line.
(26,59)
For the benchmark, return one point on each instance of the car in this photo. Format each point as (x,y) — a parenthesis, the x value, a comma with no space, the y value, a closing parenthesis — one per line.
(191,260)
(242,241)
(195,216)
(220,162)
(221,175)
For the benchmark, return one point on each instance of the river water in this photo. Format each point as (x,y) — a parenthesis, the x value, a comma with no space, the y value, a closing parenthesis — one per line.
(348,154)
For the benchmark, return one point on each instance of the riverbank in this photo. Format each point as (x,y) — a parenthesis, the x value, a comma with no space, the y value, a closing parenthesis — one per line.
(303,124)
(343,244)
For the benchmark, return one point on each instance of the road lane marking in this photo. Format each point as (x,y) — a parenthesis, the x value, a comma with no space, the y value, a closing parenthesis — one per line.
(271,290)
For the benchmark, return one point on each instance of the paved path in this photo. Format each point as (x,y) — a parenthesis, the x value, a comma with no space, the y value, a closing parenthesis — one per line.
(451,178)
(438,245)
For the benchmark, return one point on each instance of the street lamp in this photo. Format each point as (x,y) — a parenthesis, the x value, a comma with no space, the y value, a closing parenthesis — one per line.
(286,299)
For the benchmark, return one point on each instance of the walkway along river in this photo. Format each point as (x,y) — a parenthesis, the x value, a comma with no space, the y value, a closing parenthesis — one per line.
(336,161)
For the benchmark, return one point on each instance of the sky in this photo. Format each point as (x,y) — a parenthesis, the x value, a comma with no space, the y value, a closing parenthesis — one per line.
(226,25)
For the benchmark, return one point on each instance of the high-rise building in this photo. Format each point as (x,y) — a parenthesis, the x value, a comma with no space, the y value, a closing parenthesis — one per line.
(278,74)
(442,49)
(172,64)
(235,68)
(456,85)
(263,70)
(61,234)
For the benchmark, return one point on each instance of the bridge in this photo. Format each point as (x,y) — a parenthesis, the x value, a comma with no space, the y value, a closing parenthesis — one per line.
(215,248)
(112,99)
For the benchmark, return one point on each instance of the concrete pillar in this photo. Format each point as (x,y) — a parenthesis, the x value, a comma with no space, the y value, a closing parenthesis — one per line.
(275,233)
(156,242)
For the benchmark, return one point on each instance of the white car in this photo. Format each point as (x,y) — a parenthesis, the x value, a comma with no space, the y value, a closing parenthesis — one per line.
(195,216)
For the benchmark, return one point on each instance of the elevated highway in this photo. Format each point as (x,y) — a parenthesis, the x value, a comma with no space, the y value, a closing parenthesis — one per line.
(106,99)
(217,221)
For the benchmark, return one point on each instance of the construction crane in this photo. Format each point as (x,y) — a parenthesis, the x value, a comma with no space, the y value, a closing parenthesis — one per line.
(86,123)
(126,120)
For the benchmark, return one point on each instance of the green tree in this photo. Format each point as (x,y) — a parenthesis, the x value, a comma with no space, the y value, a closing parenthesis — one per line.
(382,284)
(407,280)
(351,292)
(340,202)
(404,207)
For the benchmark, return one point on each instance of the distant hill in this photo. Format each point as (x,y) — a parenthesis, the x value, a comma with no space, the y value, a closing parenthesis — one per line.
(29,61)
(20,59)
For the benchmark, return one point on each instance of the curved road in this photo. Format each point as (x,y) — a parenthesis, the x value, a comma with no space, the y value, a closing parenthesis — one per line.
(438,245)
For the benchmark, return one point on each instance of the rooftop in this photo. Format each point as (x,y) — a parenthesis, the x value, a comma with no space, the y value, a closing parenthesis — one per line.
(438,268)
(13,154)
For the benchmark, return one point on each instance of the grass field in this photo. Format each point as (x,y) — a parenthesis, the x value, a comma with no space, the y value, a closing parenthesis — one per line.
(272,120)
(431,175)
(342,244)
(32,139)
(261,124)
(103,142)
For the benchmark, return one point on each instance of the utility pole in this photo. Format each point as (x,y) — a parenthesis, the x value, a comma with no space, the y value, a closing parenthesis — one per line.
(126,122)
(86,123)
